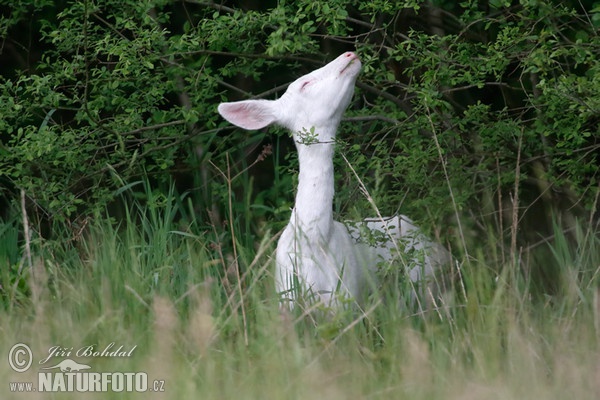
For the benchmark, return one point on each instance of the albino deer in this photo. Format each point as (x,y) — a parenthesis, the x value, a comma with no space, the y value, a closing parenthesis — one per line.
(316,254)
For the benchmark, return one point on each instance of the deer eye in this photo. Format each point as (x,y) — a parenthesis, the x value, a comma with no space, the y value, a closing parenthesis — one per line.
(304,85)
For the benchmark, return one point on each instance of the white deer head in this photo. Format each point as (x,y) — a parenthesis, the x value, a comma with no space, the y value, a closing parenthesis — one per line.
(316,100)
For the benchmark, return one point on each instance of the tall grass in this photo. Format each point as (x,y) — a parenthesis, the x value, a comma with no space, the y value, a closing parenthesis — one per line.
(209,325)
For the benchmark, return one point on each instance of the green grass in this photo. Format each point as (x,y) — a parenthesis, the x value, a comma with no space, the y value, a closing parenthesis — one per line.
(164,283)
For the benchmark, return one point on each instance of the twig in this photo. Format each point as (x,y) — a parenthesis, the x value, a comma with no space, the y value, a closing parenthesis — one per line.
(447,177)
(515,202)
(213,5)
(500,210)
(361,118)
(153,127)
(137,296)
(27,242)
(26,230)
(228,178)
(393,239)
(344,331)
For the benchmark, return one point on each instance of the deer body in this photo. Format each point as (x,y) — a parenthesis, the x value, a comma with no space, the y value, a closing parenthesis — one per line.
(315,254)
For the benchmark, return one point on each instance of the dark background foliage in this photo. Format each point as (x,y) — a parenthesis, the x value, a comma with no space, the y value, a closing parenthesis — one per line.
(466,114)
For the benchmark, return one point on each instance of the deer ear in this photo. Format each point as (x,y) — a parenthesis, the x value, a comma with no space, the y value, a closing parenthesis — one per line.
(249,114)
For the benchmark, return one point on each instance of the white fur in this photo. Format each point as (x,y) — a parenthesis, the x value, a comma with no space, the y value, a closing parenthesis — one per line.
(326,257)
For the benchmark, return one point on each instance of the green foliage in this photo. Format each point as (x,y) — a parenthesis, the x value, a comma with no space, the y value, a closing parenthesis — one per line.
(460,107)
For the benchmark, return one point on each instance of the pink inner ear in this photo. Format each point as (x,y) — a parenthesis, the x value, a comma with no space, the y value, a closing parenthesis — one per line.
(249,114)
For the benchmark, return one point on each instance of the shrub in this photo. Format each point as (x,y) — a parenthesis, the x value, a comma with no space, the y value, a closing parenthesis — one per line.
(471,109)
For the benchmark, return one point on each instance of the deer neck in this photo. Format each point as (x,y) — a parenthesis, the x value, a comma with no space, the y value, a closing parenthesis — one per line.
(313,213)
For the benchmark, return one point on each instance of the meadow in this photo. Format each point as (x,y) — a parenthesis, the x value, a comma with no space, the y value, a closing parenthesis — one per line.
(211,327)
(138,228)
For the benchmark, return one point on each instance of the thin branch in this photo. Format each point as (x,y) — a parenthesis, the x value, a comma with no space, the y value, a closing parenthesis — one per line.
(247,55)
(363,118)
(515,203)
(229,179)
(381,93)
(27,235)
(153,127)
(213,5)
(443,163)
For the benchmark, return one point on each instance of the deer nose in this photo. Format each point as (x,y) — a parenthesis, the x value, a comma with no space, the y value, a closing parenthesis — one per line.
(350,55)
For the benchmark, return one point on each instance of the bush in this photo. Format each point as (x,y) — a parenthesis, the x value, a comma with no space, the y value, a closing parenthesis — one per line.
(471,110)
